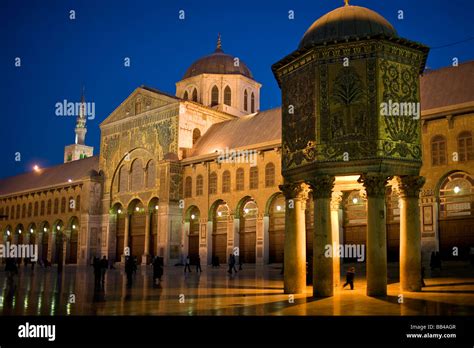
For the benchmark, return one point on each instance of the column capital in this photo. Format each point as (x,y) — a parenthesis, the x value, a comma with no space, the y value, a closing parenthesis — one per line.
(297,190)
(410,185)
(336,200)
(374,183)
(322,186)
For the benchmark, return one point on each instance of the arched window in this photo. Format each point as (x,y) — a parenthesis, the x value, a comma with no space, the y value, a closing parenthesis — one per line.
(185,96)
(151,174)
(78,203)
(465,148)
(253,178)
(214,96)
(252,103)
(269,175)
(18,211)
(63,205)
(137,175)
(188,187)
(123,180)
(195,95)
(227,96)
(213,183)
(246,97)
(199,185)
(438,150)
(42,209)
(23,210)
(30,209)
(35,212)
(56,206)
(239,180)
(226,182)
(48,208)
(196,135)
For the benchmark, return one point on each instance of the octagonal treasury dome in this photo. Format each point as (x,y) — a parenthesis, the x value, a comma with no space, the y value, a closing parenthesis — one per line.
(347,22)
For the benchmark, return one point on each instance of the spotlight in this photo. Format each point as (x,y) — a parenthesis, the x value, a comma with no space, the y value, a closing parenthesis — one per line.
(457,189)
(137,208)
(119,211)
(278,207)
(31,230)
(355,200)
(193,216)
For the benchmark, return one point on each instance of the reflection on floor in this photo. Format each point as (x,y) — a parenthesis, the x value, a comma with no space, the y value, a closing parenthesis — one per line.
(253,291)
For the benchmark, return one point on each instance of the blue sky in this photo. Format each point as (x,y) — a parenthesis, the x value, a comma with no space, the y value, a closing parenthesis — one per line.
(59,55)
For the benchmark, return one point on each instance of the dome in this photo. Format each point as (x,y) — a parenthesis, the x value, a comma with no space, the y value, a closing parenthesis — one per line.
(347,22)
(217,63)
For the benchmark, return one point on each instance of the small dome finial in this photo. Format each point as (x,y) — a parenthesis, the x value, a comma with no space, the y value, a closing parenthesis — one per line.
(346,2)
(219,43)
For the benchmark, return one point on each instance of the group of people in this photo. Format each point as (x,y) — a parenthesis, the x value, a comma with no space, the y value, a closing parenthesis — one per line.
(197,262)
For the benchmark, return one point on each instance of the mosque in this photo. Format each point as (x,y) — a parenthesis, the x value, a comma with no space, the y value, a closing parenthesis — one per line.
(329,168)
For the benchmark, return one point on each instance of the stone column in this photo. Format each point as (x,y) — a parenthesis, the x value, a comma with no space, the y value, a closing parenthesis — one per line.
(294,264)
(323,268)
(146,252)
(336,200)
(125,237)
(410,234)
(376,261)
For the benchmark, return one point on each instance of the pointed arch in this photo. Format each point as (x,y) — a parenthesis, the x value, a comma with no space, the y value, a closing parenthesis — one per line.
(227,96)
(214,96)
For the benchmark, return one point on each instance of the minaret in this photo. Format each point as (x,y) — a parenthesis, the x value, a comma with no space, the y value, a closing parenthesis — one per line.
(81,129)
(79,149)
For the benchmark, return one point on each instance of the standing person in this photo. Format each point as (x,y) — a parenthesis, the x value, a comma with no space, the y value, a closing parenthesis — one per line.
(129,266)
(198,264)
(11,268)
(232,264)
(97,272)
(187,264)
(157,269)
(104,264)
(135,265)
(350,278)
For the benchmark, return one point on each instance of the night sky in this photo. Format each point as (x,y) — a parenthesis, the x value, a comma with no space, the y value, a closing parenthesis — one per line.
(59,55)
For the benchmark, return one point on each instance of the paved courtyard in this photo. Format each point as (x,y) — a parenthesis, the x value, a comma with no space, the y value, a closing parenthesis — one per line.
(253,291)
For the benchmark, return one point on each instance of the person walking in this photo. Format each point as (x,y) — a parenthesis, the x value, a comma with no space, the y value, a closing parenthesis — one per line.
(129,266)
(157,269)
(198,264)
(187,264)
(104,264)
(350,275)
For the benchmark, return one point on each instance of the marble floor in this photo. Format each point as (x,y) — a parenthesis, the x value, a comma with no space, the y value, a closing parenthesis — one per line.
(253,291)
